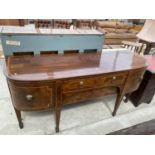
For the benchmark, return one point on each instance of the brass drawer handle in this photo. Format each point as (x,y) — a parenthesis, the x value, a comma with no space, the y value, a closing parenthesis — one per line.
(81,83)
(29,97)
(114,77)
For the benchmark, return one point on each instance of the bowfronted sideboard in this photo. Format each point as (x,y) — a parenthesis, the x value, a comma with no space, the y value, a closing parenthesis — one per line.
(48,82)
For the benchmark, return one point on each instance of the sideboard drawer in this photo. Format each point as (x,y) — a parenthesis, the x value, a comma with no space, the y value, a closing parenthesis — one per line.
(74,97)
(31,98)
(82,83)
(99,81)
(111,80)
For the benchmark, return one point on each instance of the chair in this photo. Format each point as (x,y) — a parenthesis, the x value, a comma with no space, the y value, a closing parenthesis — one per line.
(43,23)
(61,24)
(83,24)
(133,46)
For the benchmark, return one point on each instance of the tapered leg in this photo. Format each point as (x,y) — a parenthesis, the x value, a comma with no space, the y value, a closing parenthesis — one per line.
(58,104)
(57,119)
(18,114)
(117,103)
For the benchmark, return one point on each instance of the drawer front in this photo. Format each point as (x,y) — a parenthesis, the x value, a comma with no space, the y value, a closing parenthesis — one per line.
(135,78)
(94,82)
(31,98)
(74,97)
(111,80)
(78,84)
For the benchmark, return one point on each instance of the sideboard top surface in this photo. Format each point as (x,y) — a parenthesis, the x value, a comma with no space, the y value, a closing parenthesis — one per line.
(46,31)
(36,68)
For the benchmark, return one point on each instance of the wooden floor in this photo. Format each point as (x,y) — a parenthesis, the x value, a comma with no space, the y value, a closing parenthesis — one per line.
(146,128)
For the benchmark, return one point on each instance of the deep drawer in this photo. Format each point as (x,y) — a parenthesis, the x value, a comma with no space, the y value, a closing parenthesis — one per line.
(31,98)
(74,97)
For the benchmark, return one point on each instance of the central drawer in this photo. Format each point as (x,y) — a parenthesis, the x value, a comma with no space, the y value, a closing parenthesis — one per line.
(78,84)
(114,79)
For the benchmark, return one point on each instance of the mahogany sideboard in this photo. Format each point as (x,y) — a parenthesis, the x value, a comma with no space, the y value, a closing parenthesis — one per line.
(51,82)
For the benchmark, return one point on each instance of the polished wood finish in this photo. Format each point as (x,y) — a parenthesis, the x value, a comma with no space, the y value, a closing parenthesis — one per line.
(52,81)
(18,114)
(31,96)
(77,96)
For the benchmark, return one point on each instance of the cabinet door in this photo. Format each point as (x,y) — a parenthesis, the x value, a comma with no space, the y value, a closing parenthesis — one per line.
(134,80)
(31,97)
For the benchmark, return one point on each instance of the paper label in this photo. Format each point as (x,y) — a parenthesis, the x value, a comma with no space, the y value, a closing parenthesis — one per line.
(12,42)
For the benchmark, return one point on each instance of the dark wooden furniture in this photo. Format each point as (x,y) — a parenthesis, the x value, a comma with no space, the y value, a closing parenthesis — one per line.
(146,90)
(83,23)
(61,23)
(145,128)
(51,82)
(43,23)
